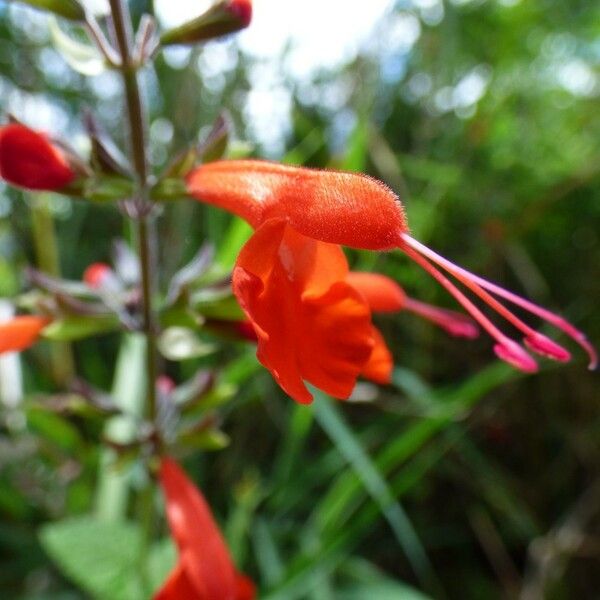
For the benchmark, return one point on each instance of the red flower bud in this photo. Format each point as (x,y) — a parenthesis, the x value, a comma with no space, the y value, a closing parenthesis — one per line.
(227,16)
(21,332)
(28,159)
(95,274)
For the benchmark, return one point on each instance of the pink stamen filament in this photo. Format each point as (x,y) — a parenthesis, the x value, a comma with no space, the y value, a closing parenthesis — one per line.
(536,341)
(545,344)
(453,322)
(506,348)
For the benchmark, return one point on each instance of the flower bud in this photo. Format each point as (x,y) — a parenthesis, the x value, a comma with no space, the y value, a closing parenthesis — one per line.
(96,274)
(28,159)
(227,16)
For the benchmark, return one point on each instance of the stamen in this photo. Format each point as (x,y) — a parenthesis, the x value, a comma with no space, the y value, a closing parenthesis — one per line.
(536,341)
(453,322)
(578,336)
(505,348)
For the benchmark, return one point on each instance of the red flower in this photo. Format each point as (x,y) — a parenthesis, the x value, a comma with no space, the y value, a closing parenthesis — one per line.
(21,332)
(204,570)
(298,213)
(28,159)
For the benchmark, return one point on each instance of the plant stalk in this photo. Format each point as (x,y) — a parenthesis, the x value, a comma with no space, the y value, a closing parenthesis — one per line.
(123,34)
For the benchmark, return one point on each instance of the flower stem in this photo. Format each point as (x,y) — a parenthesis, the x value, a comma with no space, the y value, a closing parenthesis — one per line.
(122,29)
(144,220)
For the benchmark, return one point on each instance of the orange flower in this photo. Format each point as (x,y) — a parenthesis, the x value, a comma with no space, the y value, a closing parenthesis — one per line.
(21,332)
(315,207)
(204,570)
(384,295)
(28,159)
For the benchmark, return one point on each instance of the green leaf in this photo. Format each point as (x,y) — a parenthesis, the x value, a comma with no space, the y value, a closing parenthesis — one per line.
(100,557)
(80,327)
(382,591)
(83,58)
(69,9)
(54,428)
(332,422)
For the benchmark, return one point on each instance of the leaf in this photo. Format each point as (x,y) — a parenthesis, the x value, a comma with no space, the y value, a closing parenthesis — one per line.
(83,58)
(215,144)
(100,557)
(382,591)
(192,271)
(349,446)
(69,9)
(80,327)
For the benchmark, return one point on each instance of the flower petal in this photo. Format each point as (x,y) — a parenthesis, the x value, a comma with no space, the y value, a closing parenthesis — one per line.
(21,332)
(311,325)
(381,293)
(332,206)
(203,554)
(380,364)
(29,160)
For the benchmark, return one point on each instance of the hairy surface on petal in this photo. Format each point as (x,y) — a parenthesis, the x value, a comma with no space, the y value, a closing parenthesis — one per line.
(336,207)
(29,160)
(203,554)
(311,325)
(380,364)
(381,293)
(21,332)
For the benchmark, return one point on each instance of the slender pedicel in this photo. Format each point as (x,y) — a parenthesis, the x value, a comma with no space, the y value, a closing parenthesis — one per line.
(535,340)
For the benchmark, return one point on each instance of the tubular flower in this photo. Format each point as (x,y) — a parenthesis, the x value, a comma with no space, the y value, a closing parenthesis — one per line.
(28,159)
(21,332)
(384,295)
(360,212)
(204,570)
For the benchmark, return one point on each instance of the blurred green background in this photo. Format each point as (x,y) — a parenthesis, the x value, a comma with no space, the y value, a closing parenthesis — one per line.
(463,479)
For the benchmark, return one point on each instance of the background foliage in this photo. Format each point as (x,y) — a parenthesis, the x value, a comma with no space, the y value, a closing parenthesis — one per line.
(463,479)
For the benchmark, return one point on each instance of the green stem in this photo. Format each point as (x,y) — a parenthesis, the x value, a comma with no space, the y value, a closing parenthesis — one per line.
(121,19)
(46,250)
(123,34)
